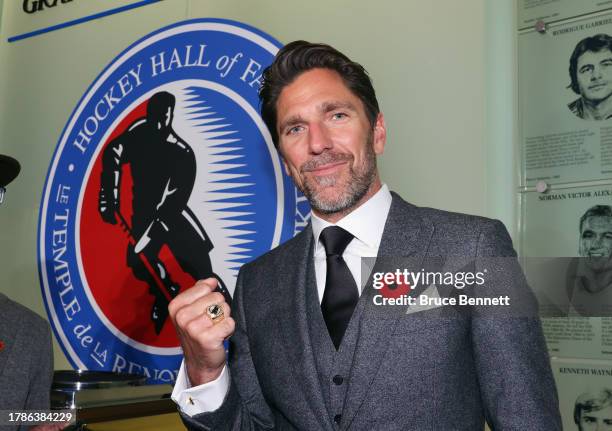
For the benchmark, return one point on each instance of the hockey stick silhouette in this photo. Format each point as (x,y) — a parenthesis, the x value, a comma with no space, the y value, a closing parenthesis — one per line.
(150,265)
(143,258)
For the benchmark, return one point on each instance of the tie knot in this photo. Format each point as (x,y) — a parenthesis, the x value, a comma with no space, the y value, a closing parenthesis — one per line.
(335,239)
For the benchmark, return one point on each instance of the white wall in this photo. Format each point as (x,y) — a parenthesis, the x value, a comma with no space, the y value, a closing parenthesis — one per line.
(427,62)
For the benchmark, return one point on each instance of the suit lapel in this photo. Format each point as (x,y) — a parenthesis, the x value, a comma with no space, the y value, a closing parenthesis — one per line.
(406,234)
(294,326)
(7,331)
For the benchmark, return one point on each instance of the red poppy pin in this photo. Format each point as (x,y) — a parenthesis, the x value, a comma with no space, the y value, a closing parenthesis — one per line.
(1,345)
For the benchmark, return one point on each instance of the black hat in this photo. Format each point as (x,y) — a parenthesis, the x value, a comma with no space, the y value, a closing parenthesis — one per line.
(9,169)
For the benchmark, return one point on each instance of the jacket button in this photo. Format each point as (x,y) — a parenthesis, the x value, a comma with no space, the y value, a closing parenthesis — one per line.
(338,379)
(337,418)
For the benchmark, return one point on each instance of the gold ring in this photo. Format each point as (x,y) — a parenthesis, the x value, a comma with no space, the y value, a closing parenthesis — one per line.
(215,312)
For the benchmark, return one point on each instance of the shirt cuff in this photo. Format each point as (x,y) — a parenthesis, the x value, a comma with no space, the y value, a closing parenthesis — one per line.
(204,398)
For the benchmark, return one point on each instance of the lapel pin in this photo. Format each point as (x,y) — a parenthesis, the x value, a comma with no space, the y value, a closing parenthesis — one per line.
(1,345)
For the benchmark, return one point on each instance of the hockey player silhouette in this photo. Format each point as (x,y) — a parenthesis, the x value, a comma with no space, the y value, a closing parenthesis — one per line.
(163,169)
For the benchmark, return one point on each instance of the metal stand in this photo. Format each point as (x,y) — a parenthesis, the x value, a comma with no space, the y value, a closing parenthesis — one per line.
(100,396)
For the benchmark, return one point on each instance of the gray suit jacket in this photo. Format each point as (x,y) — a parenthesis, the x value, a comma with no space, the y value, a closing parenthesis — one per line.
(420,371)
(26,359)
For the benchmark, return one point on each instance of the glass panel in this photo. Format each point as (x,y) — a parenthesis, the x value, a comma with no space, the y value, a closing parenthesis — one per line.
(561,141)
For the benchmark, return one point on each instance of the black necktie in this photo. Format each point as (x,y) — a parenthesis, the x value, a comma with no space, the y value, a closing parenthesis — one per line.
(341,294)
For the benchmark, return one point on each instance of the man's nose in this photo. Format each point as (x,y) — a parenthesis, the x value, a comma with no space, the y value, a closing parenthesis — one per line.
(319,138)
(597,241)
(596,73)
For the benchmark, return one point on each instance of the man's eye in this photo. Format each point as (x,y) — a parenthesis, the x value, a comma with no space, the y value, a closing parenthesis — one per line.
(339,115)
(587,234)
(295,129)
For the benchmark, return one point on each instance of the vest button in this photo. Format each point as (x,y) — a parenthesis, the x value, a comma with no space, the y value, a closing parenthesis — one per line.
(338,379)
(337,418)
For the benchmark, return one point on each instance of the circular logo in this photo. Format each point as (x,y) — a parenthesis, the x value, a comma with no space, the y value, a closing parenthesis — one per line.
(164,174)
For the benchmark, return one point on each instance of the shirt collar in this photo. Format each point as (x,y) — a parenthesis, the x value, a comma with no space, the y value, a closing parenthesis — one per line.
(366,223)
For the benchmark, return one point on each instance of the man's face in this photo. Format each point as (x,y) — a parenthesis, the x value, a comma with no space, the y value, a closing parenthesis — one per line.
(594,75)
(328,145)
(597,420)
(596,241)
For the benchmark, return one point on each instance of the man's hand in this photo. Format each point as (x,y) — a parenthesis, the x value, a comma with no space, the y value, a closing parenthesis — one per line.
(201,338)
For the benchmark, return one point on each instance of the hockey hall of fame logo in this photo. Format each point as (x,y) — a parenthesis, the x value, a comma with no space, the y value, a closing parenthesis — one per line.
(164,174)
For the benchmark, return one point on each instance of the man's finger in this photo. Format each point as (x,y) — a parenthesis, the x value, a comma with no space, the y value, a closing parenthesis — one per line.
(198,290)
(210,281)
(200,324)
(199,308)
(209,335)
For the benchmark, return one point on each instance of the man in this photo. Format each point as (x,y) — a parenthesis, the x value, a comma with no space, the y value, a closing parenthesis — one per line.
(26,355)
(590,277)
(593,411)
(308,349)
(596,236)
(26,360)
(163,171)
(9,169)
(591,74)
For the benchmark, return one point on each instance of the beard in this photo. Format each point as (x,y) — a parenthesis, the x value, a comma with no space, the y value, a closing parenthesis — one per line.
(598,259)
(350,189)
(598,264)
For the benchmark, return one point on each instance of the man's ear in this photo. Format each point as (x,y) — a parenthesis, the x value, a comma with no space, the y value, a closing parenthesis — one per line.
(380,134)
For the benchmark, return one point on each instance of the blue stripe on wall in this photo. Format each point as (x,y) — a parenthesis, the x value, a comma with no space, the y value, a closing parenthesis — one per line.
(80,20)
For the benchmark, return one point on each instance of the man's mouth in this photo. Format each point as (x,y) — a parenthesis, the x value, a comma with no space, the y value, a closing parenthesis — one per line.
(598,254)
(599,86)
(326,169)
(325,164)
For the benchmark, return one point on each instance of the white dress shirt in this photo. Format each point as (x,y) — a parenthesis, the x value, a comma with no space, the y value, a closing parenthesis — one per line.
(366,224)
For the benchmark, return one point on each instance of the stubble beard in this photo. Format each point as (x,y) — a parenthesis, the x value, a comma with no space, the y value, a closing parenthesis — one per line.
(357,185)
